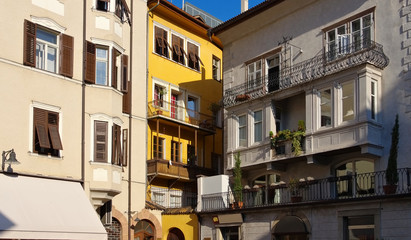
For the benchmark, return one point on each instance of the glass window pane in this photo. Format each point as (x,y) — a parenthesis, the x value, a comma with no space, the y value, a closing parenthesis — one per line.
(242,131)
(51,59)
(46,36)
(40,51)
(101,73)
(101,53)
(348,101)
(326,107)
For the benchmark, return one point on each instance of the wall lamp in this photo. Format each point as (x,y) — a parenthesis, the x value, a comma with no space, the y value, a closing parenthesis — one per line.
(11,160)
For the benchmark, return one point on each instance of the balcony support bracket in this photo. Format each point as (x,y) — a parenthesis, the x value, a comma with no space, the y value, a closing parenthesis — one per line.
(172,182)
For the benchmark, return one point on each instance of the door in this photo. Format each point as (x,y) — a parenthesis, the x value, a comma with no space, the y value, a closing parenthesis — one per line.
(174,106)
(273,65)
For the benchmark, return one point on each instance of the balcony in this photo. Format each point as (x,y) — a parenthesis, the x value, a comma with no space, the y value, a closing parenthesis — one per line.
(324,64)
(172,198)
(365,186)
(163,168)
(180,114)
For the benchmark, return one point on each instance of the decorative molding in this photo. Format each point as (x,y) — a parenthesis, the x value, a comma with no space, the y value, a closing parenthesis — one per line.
(49,23)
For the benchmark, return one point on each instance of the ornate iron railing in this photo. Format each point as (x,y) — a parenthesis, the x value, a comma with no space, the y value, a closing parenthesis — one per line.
(332,189)
(328,62)
(172,198)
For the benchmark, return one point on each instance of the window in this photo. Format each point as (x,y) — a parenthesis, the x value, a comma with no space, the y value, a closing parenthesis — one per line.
(178,49)
(355,178)
(103,5)
(175,151)
(359,227)
(325,108)
(159,96)
(273,72)
(254,73)
(242,131)
(46,137)
(102,145)
(373,96)
(100,141)
(191,155)
(48,50)
(97,66)
(193,57)
(159,198)
(278,119)
(230,233)
(161,41)
(216,68)
(101,65)
(175,199)
(258,126)
(347,101)
(192,107)
(351,36)
(158,148)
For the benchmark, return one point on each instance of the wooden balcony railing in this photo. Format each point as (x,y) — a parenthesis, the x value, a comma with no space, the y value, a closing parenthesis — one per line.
(327,63)
(164,168)
(180,114)
(332,189)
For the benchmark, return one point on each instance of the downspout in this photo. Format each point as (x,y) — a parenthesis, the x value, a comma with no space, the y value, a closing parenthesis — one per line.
(130,118)
(83,99)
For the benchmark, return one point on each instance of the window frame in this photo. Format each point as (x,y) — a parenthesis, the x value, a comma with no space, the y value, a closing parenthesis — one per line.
(320,104)
(102,8)
(244,128)
(216,68)
(178,49)
(161,143)
(102,60)
(160,41)
(260,124)
(193,53)
(342,99)
(175,145)
(373,100)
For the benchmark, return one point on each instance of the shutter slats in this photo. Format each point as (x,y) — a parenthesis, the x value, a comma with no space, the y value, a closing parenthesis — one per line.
(124,74)
(55,137)
(29,48)
(114,68)
(100,140)
(66,55)
(90,76)
(125,148)
(126,100)
(42,135)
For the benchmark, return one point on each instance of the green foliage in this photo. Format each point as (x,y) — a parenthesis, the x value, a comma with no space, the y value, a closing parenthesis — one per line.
(391,174)
(295,136)
(238,187)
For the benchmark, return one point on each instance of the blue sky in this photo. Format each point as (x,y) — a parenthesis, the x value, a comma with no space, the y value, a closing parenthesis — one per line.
(221,9)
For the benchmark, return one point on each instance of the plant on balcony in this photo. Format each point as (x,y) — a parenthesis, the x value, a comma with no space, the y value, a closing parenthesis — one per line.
(295,186)
(242,97)
(296,137)
(391,174)
(238,187)
(214,107)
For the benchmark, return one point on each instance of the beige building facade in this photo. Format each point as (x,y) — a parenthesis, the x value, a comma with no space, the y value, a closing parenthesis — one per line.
(74,75)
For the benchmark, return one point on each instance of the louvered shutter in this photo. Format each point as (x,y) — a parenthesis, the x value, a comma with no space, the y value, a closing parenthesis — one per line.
(124,152)
(40,122)
(66,55)
(116,145)
(100,141)
(29,48)
(90,76)
(124,74)
(114,68)
(126,101)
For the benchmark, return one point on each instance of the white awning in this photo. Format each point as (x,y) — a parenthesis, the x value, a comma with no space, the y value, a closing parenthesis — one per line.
(38,208)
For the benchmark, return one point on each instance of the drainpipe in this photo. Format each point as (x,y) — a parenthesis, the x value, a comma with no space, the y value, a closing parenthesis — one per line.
(130,118)
(83,99)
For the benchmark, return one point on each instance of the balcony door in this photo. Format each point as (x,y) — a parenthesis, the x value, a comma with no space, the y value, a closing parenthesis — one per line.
(355,178)
(174,112)
(273,73)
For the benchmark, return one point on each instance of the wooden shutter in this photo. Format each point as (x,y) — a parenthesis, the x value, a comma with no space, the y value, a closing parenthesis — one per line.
(126,101)
(125,147)
(100,141)
(116,145)
(114,68)
(40,123)
(29,48)
(90,76)
(124,74)
(53,130)
(66,55)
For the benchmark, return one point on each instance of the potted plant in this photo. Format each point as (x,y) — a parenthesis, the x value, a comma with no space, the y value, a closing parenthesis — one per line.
(295,187)
(296,138)
(242,97)
(391,174)
(238,187)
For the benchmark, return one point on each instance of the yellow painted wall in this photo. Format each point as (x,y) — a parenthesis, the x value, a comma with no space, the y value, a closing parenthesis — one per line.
(187,223)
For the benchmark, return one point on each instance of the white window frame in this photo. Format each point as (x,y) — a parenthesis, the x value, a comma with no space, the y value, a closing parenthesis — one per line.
(168,30)
(187,40)
(252,76)
(258,122)
(373,100)
(46,49)
(49,108)
(166,95)
(239,127)
(110,122)
(341,99)
(197,103)
(320,104)
(103,60)
(216,66)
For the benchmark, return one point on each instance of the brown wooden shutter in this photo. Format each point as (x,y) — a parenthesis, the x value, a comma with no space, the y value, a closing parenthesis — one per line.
(40,123)
(114,68)
(100,141)
(55,137)
(126,100)
(124,74)
(29,48)
(66,55)
(90,76)
(116,145)
(125,148)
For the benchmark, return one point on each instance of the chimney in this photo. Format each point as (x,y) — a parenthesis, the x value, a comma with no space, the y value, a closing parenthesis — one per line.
(244,5)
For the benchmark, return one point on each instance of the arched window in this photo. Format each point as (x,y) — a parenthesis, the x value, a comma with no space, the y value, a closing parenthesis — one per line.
(355,174)
(175,234)
(262,191)
(144,230)
(290,228)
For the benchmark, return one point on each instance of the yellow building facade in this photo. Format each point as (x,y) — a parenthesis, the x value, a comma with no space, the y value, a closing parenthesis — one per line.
(184,135)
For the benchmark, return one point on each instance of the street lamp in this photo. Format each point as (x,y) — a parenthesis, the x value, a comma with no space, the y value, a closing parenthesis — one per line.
(11,160)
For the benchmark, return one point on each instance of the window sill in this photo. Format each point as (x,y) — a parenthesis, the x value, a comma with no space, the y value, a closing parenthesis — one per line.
(105,87)
(45,156)
(105,164)
(171,60)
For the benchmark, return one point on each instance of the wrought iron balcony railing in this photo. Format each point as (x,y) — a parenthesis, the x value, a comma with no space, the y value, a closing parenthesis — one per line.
(332,189)
(333,60)
(180,114)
